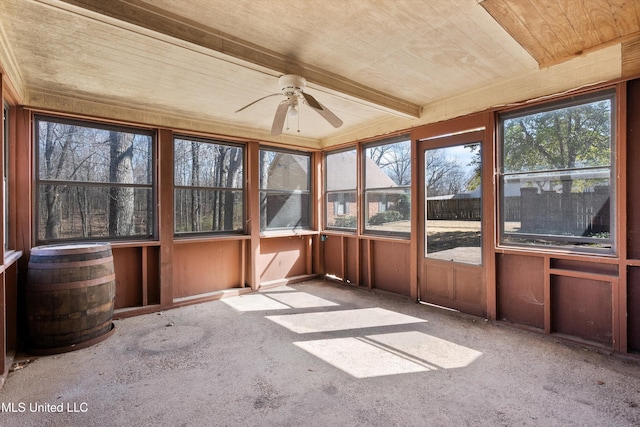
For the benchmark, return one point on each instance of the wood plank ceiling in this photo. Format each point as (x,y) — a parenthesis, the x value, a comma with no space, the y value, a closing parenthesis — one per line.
(380,66)
(557,30)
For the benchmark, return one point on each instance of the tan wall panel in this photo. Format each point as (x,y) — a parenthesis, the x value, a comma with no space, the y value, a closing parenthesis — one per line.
(332,256)
(352,259)
(202,267)
(391,267)
(582,308)
(365,276)
(282,257)
(520,289)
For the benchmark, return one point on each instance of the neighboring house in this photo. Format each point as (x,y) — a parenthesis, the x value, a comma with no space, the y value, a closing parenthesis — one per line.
(342,203)
(287,198)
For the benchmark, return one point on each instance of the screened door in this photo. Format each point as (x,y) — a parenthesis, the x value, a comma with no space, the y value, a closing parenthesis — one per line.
(451,265)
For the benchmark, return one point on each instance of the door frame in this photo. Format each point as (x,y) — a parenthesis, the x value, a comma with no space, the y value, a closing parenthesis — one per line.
(475,128)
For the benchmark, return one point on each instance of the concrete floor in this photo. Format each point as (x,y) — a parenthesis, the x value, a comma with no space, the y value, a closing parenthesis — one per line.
(322,354)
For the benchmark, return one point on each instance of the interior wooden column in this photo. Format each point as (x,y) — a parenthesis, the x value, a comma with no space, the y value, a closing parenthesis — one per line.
(620,330)
(21,137)
(415,230)
(253,212)
(360,206)
(317,266)
(489,215)
(165,214)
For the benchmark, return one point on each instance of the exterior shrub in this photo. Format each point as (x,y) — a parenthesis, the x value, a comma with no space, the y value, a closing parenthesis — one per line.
(346,222)
(384,217)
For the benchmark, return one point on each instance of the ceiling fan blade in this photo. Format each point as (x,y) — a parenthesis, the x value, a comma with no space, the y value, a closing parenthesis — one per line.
(278,120)
(257,100)
(328,115)
(312,101)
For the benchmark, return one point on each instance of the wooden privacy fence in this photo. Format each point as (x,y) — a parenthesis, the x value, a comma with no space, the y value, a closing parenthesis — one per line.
(454,209)
(549,211)
(576,213)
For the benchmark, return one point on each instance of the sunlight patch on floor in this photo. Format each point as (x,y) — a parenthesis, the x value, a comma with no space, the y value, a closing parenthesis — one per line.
(390,354)
(342,320)
(359,358)
(366,354)
(434,351)
(301,300)
(276,301)
(254,302)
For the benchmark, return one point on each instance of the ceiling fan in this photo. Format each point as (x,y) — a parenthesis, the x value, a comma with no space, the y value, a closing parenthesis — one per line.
(292,88)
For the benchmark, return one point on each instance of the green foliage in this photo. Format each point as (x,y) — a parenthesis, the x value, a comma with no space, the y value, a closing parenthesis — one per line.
(345,222)
(575,136)
(404,206)
(476,163)
(384,217)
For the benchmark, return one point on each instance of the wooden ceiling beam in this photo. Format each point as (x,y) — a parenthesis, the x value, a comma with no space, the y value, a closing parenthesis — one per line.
(146,16)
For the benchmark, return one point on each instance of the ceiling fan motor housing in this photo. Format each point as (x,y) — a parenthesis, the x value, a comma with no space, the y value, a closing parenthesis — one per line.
(291,83)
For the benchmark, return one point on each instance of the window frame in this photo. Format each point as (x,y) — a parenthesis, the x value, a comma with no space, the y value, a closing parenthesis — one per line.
(6,177)
(309,191)
(328,192)
(407,189)
(94,124)
(556,242)
(242,188)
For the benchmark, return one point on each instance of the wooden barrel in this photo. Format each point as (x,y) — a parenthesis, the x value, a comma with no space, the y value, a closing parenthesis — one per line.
(69,295)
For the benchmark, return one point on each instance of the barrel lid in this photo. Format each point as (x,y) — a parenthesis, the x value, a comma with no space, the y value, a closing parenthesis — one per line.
(70,248)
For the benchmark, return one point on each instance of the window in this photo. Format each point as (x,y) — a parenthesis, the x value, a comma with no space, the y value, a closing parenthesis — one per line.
(209,186)
(387,170)
(285,194)
(93,181)
(557,174)
(340,184)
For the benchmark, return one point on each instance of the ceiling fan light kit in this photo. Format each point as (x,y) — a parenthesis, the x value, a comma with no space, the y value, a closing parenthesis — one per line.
(292,88)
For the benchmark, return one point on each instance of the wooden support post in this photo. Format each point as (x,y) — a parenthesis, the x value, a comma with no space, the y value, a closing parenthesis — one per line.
(620,321)
(489,216)
(253,212)
(165,212)
(415,229)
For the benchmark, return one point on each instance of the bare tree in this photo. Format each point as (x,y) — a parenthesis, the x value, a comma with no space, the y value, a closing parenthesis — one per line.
(439,173)
(121,199)
(235,162)
(394,159)
(56,150)
(196,222)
